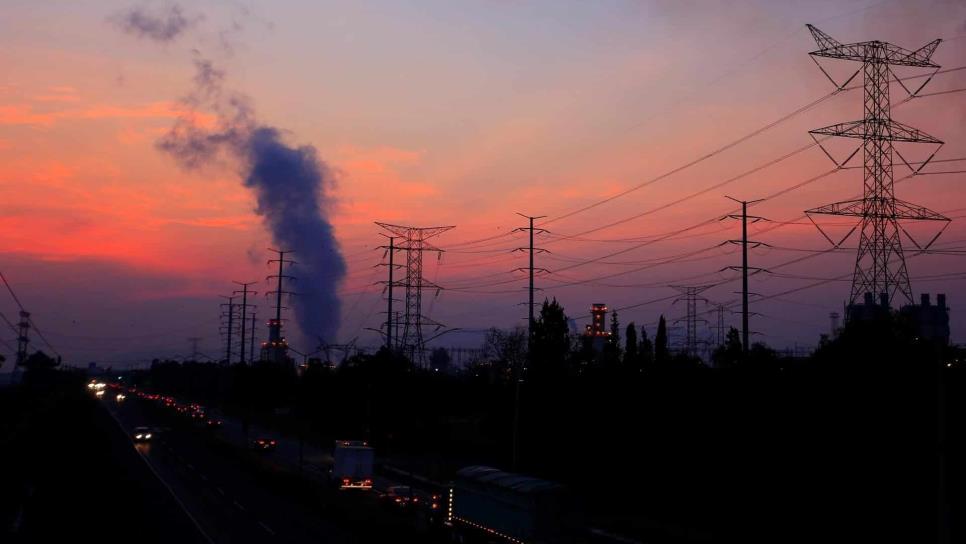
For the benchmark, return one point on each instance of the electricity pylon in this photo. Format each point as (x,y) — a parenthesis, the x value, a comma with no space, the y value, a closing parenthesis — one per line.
(880,265)
(691,319)
(414,242)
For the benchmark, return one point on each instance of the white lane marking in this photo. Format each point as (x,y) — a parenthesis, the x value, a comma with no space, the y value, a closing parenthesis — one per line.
(203,477)
(164,483)
(220,491)
(238,505)
(190,466)
(267,528)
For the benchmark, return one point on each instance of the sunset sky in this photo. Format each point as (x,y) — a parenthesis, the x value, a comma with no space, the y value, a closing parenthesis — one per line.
(453,113)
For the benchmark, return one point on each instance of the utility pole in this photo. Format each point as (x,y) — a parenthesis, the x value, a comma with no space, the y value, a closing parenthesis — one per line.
(23,337)
(277,346)
(531,270)
(390,316)
(518,379)
(880,265)
(744,263)
(231,316)
(244,315)
(251,352)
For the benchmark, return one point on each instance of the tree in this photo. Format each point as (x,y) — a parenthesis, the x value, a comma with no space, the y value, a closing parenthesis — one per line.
(551,341)
(39,360)
(631,354)
(728,355)
(660,342)
(506,351)
(615,330)
(612,349)
(645,351)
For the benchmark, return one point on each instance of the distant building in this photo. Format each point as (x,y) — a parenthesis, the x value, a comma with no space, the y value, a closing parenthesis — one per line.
(931,322)
(598,320)
(868,310)
(596,333)
(275,350)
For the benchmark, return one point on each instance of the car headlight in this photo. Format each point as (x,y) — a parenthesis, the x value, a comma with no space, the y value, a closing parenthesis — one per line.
(137,436)
(147,435)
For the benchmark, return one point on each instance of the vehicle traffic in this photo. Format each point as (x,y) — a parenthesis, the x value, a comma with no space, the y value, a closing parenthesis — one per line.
(142,434)
(399,496)
(264,444)
(353,464)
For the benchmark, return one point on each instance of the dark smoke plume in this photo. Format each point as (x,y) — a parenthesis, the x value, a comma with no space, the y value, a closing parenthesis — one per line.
(163,26)
(291,186)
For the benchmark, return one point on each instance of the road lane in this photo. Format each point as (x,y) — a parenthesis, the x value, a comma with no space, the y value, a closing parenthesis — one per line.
(227,500)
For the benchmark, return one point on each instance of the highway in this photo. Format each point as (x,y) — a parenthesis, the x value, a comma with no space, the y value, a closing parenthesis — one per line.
(231,502)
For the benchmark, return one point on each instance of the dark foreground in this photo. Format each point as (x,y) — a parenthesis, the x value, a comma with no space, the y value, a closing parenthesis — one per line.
(794,455)
(70,473)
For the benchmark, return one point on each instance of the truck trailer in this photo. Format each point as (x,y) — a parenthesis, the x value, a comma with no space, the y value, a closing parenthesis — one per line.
(352,466)
(486,504)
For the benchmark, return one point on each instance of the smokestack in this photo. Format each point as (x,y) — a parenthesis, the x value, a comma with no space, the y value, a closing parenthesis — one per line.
(869,301)
(884,300)
(924,299)
(941,300)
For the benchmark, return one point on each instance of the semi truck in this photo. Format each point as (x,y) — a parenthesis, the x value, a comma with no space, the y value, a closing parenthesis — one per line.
(489,505)
(352,464)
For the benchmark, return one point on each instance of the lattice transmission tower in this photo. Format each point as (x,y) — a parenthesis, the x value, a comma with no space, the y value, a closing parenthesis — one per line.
(880,265)
(413,240)
(691,297)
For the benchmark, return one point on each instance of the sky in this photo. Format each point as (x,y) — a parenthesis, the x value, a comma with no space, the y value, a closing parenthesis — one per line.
(453,113)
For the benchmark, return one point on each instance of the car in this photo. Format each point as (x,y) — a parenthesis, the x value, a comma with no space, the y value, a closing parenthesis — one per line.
(120,397)
(264,444)
(399,496)
(213,423)
(142,434)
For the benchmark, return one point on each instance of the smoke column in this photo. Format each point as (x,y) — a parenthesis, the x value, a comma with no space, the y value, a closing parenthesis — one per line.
(291,186)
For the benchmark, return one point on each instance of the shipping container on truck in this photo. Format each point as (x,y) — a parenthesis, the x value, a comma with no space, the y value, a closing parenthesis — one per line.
(486,504)
(352,466)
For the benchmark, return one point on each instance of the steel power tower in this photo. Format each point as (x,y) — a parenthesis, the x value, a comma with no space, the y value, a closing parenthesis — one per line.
(244,315)
(880,265)
(719,330)
(193,341)
(228,313)
(691,319)
(415,244)
(391,250)
(276,348)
